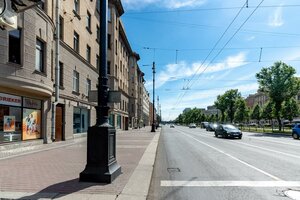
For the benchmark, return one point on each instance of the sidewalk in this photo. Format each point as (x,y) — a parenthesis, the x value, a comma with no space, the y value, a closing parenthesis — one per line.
(53,173)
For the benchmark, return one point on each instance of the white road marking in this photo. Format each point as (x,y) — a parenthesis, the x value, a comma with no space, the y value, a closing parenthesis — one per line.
(243,162)
(165,183)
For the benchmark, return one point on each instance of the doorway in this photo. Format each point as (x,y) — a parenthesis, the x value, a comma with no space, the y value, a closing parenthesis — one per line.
(59,122)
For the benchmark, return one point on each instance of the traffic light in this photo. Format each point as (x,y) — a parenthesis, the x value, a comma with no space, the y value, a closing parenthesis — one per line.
(9,10)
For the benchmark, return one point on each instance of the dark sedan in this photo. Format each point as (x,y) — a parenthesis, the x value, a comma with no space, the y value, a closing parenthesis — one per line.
(211,127)
(228,131)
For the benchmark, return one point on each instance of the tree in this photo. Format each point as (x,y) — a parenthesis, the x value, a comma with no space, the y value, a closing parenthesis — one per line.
(290,109)
(230,98)
(267,112)
(242,112)
(256,114)
(221,105)
(280,84)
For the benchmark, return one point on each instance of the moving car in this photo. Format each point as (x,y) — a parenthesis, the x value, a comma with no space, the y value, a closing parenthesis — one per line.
(296,131)
(172,126)
(211,127)
(192,125)
(204,124)
(227,130)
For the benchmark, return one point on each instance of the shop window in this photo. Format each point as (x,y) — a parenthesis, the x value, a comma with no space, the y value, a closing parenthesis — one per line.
(39,55)
(10,124)
(15,46)
(81,120)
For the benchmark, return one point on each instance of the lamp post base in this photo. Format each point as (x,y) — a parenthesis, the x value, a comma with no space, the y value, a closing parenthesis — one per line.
(102,166)
(153,127)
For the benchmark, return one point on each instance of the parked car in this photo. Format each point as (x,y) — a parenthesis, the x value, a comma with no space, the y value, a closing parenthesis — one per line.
(226,130)
(296,131)
(192,125)
(211,127)
(172,126)
(204,124)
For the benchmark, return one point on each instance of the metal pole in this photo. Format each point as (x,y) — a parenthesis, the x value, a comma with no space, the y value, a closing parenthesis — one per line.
(153,117)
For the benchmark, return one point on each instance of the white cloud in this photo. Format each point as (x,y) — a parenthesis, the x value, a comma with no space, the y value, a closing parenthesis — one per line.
(275,20)
(250,38)
(171,4)
(181,70)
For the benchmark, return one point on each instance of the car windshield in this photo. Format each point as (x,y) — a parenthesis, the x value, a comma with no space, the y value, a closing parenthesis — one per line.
(229,127)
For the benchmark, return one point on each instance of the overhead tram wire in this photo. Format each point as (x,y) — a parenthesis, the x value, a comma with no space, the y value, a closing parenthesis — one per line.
(206,9)
(221,49)
(236,16)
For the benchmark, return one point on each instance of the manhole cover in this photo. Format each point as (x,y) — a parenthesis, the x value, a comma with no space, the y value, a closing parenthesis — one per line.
(173,169)
(293,194)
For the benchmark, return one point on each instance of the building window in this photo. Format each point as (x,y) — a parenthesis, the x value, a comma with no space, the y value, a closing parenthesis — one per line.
(76,6)
(39,56)
(97,62)
(81,120)
(41,5)
(75,81)
(109,15)
(61,27)
(98,34)
(116,47)
(108,41)
(87,87)
(61,74)
(15,46)
(88,53)
(116,71)
(98,5)
(88,21)
(108,67)
(76,42)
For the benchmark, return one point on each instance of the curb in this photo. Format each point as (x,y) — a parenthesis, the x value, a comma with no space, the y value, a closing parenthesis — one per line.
(138,185)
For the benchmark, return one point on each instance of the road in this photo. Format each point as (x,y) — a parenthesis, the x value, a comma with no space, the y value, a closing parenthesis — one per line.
(194,164)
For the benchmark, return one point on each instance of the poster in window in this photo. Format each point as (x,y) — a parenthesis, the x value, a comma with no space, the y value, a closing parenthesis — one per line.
(9,123)
(31,124)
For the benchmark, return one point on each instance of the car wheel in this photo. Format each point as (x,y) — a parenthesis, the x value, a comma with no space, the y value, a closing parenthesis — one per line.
(295,136)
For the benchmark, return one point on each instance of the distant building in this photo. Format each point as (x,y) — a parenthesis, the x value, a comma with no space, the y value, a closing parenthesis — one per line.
(212,110)
(258,98)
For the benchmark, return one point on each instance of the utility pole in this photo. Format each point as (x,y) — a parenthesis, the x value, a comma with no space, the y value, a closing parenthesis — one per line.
(158,119)
(102,166)
(153,117)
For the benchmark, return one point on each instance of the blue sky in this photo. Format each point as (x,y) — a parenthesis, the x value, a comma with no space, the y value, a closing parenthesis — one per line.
(183,33)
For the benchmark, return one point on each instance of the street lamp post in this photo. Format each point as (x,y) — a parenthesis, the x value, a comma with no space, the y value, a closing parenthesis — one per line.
(153,117)
(101,164)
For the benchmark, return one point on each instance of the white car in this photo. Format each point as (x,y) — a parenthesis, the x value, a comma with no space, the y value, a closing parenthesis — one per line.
(192,125)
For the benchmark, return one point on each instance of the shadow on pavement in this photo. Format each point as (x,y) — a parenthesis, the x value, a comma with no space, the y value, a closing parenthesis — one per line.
(271,135)
(59,190)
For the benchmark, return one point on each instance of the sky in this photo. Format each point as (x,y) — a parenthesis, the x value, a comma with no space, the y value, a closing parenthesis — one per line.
(203,48)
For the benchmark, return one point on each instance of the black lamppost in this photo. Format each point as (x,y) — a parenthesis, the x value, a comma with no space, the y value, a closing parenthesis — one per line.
(153,119)
(101,164)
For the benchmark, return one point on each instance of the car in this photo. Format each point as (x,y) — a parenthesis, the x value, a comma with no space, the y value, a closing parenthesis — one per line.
(211,127)
(228,130)
(296,131)
(172,126)
(204,124)
(192,125)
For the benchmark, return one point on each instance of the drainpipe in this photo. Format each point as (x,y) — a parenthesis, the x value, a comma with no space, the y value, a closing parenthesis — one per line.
(57,70)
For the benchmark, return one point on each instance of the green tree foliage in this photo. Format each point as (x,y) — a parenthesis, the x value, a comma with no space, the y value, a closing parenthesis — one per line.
(290,109)
(267,111)
(256,113)
(221,105)
(192,116)
(242,112)
(226,102)
(279,82)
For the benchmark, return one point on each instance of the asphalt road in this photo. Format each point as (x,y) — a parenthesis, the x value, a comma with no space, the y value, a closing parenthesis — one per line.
(194,164)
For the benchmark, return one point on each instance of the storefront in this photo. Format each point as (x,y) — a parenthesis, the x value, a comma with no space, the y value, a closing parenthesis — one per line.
(81,120)
(20,118)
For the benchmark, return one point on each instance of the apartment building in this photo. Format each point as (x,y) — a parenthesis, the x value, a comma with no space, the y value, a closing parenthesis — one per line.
(28,110)
(146,107)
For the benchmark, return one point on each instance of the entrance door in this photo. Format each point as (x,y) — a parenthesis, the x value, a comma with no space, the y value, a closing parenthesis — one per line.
(59,123)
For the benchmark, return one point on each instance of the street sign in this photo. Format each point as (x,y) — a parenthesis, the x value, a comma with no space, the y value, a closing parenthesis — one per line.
(113,96)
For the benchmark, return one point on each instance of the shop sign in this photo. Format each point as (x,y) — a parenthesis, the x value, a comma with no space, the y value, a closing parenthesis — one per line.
(10,100)
(31,103)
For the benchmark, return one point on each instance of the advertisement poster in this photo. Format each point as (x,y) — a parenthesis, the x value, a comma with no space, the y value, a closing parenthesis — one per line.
(9,123)
(31,124)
